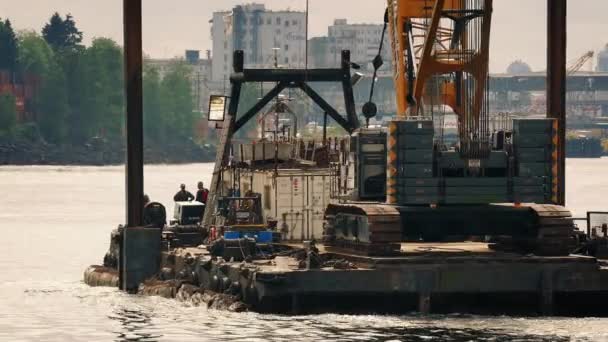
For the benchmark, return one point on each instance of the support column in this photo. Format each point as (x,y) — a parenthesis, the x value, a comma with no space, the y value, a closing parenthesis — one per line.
(556,88)
(134,167)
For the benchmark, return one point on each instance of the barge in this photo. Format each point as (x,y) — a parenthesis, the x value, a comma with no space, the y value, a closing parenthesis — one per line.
(400,196)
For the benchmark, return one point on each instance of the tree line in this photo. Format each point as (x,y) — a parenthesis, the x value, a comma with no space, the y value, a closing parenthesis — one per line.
(78,90)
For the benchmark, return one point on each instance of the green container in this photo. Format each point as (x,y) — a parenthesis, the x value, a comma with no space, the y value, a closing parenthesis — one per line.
(476,199)
(416,171)
(525,140)
(473,191)
(534,169)
(415,127)
(419,182)
(533,125)
(529,181)
(538,190)
(476,182)
(414,199)
(415,142)
(416,156)
(533,155)
(420,191)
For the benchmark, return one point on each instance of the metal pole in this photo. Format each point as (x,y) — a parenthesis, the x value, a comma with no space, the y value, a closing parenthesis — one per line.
(556,84)
(134,118)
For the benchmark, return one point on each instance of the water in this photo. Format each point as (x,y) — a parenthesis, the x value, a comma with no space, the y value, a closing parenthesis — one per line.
(56,221)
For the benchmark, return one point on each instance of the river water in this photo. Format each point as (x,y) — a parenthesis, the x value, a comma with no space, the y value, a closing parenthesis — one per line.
(57,220)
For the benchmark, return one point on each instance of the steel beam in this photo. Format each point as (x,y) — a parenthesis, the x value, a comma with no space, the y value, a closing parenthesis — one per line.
(556,83)
(327,108)
(288,75)
(134,117)
(259,106)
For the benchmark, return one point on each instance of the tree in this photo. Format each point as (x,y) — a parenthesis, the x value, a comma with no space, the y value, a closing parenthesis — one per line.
(50,101)
(8,47)
(35,56)
(177,102)
(103,84)
(8,113)
(153,119)
(52,105)
(62,34)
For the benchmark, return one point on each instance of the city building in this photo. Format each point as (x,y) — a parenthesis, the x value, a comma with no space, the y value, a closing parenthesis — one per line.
(602,60)
(262,34)
(363,41)
(201,76)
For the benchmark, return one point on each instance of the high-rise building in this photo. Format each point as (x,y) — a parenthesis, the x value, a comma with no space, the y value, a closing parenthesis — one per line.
(262,34)
(602,60)
(363,41)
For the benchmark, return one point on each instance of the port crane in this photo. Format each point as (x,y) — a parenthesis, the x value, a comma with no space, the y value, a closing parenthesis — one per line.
(501,182)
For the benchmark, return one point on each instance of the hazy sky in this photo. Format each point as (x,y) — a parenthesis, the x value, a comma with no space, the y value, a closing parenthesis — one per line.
(170,27)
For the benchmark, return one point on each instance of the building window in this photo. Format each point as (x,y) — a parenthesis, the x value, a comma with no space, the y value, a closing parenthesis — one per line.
(225,44)
(294,22)
(225,58)
(278,21)
(268,21)
(286,23)
(286,47)
(278,32)
(286,60)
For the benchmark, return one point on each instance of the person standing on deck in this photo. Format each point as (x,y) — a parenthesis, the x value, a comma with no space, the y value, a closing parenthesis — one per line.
(183,195)
(202,193)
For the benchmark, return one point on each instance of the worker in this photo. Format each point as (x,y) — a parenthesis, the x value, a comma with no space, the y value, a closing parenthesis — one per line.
(146,200)
(183,195)
(202,193)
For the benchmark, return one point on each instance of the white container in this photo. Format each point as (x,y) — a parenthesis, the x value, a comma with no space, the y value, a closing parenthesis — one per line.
(297,199)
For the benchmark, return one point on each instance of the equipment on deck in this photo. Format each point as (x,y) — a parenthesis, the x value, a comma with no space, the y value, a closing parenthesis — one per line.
(188,213)
(436,188)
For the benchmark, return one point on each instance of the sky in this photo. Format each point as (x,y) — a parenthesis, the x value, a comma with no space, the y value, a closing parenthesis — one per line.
(170,27)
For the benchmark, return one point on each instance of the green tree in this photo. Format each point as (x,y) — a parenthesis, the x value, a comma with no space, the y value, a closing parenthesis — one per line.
(102,89)
(50,101)
(35,55)
(8,47)
(8,113)
(52,105)
(62,34)
(177,103)
(154,122)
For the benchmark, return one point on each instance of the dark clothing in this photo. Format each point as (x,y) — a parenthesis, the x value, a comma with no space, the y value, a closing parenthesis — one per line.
(183,196)
(201,195)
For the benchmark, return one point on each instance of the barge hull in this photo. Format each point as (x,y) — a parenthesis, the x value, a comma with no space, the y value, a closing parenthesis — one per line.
(488,282)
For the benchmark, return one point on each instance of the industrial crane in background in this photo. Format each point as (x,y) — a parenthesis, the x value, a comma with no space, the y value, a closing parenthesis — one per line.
(582,103)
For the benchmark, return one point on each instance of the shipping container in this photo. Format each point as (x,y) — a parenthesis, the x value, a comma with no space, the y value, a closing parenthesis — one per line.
(296,198)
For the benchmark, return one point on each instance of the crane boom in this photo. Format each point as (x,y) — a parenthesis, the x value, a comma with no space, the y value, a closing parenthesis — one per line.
(447,42)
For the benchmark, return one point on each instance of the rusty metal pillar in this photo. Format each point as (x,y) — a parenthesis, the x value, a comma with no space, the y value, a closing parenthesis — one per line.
(556,85)
(134,119)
